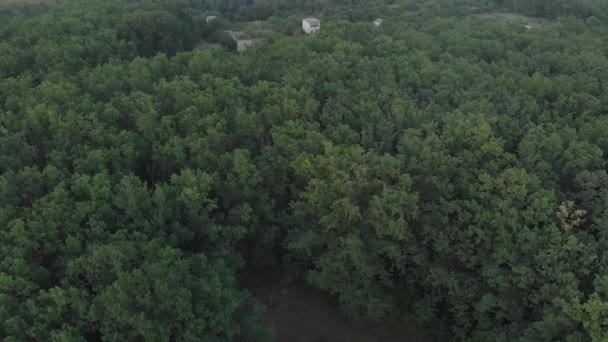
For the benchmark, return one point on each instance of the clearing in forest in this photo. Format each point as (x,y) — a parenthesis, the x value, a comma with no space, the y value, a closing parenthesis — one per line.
(300,313)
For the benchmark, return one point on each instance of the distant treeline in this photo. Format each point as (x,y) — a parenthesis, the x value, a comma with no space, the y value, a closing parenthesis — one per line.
(556,8)
(15,7)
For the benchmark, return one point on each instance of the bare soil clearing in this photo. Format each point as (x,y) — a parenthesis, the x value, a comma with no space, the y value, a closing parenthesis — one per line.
(301,313)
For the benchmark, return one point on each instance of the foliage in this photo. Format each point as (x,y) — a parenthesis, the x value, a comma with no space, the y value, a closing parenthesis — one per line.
(442,166)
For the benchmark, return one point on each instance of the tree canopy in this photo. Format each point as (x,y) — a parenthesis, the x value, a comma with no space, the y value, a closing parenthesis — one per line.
(446,167)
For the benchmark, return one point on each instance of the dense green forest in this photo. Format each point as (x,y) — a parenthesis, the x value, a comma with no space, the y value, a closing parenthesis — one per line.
(446,168)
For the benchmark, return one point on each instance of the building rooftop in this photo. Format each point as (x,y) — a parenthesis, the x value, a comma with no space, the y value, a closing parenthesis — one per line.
(238,35)
(242,37)
(312,20)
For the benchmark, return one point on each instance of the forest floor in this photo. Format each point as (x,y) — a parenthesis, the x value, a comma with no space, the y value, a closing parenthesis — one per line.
(204,44)
(300,313)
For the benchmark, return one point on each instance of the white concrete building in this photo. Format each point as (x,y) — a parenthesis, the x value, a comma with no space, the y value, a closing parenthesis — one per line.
(210,18)
(378,21)
(311,25)
(242,40)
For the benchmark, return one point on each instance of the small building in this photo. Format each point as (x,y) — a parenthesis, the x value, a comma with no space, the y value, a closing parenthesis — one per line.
(210,18)
(311,25)
(378,21)
(242,40)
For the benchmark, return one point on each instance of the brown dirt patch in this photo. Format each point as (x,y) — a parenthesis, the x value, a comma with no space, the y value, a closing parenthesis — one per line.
(300,313)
